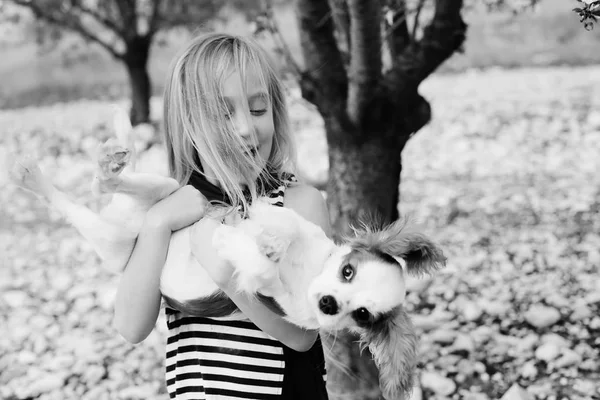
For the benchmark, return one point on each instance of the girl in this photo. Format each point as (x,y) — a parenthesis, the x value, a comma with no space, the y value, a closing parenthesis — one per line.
(228,139)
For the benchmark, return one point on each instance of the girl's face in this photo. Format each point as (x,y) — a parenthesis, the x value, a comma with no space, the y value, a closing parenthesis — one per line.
(256,127)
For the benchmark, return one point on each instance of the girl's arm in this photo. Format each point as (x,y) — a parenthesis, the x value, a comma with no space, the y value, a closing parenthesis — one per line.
(307,202)
(138,297)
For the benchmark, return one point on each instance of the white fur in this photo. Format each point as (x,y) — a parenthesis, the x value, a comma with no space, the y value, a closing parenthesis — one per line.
(275,252)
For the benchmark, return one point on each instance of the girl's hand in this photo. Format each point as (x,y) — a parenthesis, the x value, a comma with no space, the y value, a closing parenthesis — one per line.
(180,209)
(201,239)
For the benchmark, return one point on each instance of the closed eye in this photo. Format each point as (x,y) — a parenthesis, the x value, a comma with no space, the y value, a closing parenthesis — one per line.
(258,113)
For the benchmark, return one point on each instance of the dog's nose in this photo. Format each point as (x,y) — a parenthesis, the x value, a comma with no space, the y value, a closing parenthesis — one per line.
(328,305)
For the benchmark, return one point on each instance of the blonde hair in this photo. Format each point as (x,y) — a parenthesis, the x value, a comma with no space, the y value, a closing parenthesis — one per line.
(195,125)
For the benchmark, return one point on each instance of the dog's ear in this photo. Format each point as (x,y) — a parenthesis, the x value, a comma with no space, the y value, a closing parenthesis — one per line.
(393,345)
(413,250)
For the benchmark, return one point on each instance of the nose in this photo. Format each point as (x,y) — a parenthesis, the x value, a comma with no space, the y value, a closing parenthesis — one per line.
(328,305)
(242,124)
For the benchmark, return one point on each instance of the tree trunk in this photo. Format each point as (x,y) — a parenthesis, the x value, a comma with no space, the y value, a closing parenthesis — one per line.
(369,116)
(136,60)
(364,179)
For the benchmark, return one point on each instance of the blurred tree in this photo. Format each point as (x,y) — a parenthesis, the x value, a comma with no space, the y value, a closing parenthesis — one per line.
(363,64)
(124,28)
(588,12)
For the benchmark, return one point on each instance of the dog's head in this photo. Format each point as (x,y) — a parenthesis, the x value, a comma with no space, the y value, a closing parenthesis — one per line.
(362,288)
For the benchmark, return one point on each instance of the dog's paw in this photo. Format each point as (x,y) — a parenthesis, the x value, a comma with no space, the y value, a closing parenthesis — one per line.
(112,159)
(254,271)
(278,222)
(26,174)
(222,242)
(272,247)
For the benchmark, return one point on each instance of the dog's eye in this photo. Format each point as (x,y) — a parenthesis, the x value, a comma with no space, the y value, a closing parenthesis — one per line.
(362,316)
(347,272)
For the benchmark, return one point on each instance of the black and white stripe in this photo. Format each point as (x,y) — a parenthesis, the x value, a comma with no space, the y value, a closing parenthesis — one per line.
(222,358)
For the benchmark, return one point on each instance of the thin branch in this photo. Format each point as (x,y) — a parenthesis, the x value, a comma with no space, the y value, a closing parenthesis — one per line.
(396,34)
(365,63)
(107,22)
(281,44)
(326,83)
(153,25)
(416,23)
(341,20)
(68,23)
(444,35)
(127,11)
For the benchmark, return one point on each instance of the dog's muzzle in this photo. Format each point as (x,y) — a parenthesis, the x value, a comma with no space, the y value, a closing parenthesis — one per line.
(328,305)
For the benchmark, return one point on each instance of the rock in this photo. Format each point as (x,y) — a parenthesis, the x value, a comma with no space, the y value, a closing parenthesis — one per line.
(556,339)
(568,358)
(580,311)
(429,322)
(416,285)
(593,297)
(589,365)
(474,396)
(437,383)
(482,333)
(84,304)
(594,323)
(16,298)
(471,311)
(138,392)
(541,390)
(443,336)
(516,392)
(93,374)
(547,352)
(466,367)
(529,370)
(449,363)
(495,308)
(417,394)
(26,357)
(463,343)
(586,387)
(542,316)
(46,384)
(527,343)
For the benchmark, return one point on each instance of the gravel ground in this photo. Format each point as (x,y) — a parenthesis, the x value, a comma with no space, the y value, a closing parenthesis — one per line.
(504,177)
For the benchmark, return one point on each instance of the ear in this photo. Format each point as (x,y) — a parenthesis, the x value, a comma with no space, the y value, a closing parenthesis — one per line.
(394,350)
(416,253)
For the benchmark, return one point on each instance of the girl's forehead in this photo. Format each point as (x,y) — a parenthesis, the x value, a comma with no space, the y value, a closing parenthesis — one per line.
(236,83)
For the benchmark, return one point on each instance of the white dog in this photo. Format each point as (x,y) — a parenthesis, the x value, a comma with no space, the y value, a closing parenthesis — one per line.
(286,260)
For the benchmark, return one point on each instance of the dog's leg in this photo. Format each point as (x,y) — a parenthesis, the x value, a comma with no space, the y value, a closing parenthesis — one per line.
(146,189)
(278,222)
(111,241)
(255,271)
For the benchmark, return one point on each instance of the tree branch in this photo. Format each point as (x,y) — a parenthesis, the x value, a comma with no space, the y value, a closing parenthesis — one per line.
(341,21)
(441,38)
(365,62)
(397,36)
(127,10)
(153,25)
(108,23)
(324,82)
(416,23)
(68,22)
(280,43)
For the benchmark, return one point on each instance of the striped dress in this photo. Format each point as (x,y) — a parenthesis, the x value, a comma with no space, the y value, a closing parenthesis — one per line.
(231,358)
